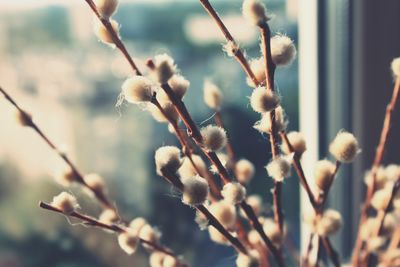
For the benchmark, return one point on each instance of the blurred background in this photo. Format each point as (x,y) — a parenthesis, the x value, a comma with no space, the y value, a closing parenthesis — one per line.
(54,66)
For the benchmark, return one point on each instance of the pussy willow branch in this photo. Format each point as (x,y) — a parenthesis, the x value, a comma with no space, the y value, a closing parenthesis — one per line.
(376,163)
(177,183)
(104,201)
(223,173)
(116,39)
(215,192)
(229,148)
(90,221)
(269,82)
(333,255)
(228,36)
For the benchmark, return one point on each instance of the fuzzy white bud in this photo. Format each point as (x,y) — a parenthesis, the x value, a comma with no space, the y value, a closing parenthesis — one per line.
(233,193)
(214,137)
(258,67)
(279,168)
(255,202)
(109,216)
(138,89)
(136,224)
(22,118)
(330,223)
(380,178)
(195,190)
(323,174)
(65,202)
(103,34)
(272,230)
(168,160)
(297,141)
(264,125)
(170,261)
(156,259)
(395,65)
(263,100)
(224,212)
(106,8)
(250,260)
(164,69)
(283,50)
(169,110)
(212,95)
(230,48)
(380,199)
(244,171)
(66,177)
(179,85)
(344,147)
(128,242)
(188,170)
(95,182)
(392,172)
(254,12)
(150,234)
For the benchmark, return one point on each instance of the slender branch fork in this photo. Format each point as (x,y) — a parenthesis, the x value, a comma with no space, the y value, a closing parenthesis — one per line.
(103,200)
(380,150)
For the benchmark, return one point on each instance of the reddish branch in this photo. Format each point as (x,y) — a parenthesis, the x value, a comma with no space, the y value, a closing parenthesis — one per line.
(380,150)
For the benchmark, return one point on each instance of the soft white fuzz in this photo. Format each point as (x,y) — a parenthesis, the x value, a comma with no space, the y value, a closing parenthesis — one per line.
(66,177)
(264,124)
(330,223)
(254,237)
(109,216)
(22,118)
(187,169)
(150,234)
(201,220)
(216,236)
(138,89)
(169,110)
(244,171)
(279,168)
(65,202)
(250,260)
(214,137)
(283,50)
(102,32)
(323,174)
(272,230)
(179,85)
(106,8)
(136,224)
(212,95)
(164,69)
(380,178)
(297,141)
(392,172)
(381,198)
(224,212)
(254,12)
(156,259)
(344,147)
(195,190)
(263,100)
(255,202)
(168,160)
(258,67)
(230,48)
(95,182)
(170,261)
(395,65)
(233,193)
(128,242)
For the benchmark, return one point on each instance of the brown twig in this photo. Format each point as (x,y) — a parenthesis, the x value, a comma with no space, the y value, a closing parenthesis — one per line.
(228,36)
(90,221)
(333,255)
(380,150)
(79,178)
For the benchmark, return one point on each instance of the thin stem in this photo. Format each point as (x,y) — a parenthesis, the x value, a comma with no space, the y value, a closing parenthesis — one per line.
(79,178)
(387,123)
(90,221)
(116,39)
(228,36)
(323,197)
(333,255)
(229,148)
